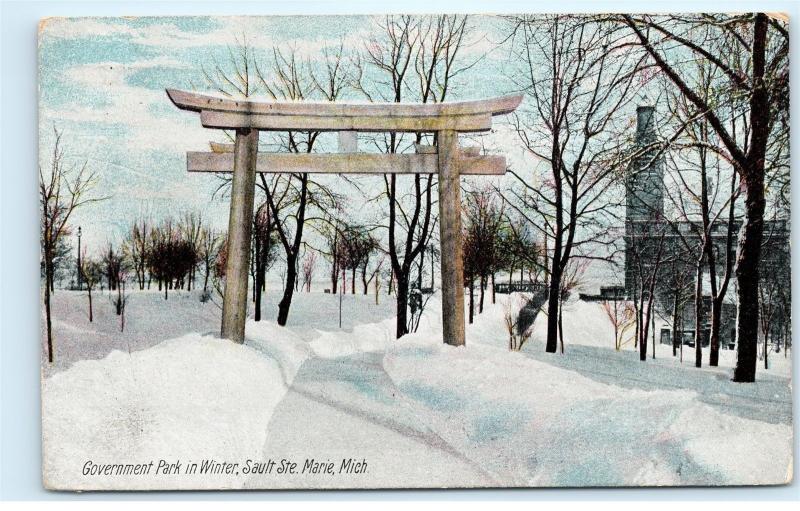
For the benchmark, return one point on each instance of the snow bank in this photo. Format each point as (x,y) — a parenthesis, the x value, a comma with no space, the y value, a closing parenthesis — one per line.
(376,336)
(505,418)
(281,344)
(363,338)
(584,323)
(530,423)
(185,399)
(587,324)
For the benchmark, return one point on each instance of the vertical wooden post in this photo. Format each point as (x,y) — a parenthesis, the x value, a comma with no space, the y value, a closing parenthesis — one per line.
(450,234)
(240,221)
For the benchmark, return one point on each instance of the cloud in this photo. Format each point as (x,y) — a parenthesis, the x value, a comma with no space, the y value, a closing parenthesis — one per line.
(134,136)
(141,110)
(167,35)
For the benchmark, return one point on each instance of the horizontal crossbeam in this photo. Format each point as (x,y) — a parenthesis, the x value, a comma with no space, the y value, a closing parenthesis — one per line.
(320,163)
(463,116)
(219,147)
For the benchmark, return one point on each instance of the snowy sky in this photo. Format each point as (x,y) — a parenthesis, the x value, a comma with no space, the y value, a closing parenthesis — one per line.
(102,82)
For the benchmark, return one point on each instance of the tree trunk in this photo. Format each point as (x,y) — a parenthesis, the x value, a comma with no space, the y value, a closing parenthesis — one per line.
(698,314)
(288,291)
(353,281)
(722,289)
(471,300)
(653,333)
(419,274)
(675,312)
(122,314)
(91,316)
(552,307)
(254,263)
(747,275)
(483,288)
(48,320)
(433,279)
(402,303)
(637,296)
(258,287)
(716,318)
(334,276)
(494,297)
(753,228)
(561,328)
(642,320)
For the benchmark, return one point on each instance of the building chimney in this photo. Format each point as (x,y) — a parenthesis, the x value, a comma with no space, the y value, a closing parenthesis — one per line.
(645,125)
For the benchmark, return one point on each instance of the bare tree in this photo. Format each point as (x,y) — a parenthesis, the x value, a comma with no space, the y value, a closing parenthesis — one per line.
(209,249)
(91,273)
(191,227)
(63,188)
(751,53)
(418,59)
(768,302)
(520,250)
(171,257)
(622,317)
(264,253)
(134,249)
(697,154)
(336,251)
(113,266)
(293,199)
(647,260)
(308,267)
(511,313)
(485,222)
(359,244)
(470,251)
(675,290)
(576,77)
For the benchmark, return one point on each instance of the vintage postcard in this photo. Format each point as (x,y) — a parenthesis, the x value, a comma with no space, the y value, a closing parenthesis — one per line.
(415,251)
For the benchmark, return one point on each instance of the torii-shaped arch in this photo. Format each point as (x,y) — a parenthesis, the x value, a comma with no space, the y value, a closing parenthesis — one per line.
(446,159)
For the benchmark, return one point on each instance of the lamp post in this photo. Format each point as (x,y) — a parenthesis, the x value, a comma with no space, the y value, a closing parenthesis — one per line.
(80,284)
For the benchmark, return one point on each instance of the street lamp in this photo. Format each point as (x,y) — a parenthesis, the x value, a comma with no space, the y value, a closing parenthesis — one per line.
(80,284)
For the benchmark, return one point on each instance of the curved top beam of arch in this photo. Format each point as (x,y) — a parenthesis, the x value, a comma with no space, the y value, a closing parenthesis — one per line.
(218,112)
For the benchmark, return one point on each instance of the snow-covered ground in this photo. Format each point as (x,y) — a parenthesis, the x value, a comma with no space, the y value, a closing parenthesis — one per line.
(419,413)
(149,319)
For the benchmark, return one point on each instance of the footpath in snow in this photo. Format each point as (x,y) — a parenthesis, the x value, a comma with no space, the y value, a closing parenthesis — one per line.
(419,413)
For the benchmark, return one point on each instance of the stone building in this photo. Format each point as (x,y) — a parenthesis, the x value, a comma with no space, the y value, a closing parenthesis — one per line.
(650,237)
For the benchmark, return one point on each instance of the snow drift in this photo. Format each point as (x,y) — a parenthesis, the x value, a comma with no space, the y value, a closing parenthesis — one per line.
(186,399)
(590,417)
(533,424)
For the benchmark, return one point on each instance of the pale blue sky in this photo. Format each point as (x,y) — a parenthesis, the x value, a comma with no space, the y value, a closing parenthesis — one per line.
(102,82)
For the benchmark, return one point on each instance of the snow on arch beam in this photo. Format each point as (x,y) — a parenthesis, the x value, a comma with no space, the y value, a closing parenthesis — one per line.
(461,116)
